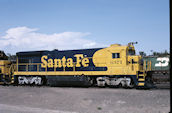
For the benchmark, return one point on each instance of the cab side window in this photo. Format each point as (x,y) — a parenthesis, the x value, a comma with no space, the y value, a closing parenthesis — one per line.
(115,55)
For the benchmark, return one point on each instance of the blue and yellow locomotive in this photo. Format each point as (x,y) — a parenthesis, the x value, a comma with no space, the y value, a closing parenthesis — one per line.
(113,66)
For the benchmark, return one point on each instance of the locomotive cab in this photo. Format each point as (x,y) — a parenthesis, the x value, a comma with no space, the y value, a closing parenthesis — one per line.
(122,64)
(133,60)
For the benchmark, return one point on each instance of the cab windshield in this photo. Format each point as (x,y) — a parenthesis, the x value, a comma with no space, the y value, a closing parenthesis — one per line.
(131,52)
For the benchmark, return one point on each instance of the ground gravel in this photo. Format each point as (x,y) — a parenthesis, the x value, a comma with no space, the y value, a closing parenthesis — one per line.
(25,99)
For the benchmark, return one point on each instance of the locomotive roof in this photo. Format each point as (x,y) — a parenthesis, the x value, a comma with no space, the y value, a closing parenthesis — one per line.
(35,53)
(151,56)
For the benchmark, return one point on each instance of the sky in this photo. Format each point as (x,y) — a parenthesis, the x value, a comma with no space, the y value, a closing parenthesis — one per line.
(30,25)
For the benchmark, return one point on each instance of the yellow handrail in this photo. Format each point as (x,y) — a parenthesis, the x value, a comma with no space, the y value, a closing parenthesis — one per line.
(38,66)
(147,65)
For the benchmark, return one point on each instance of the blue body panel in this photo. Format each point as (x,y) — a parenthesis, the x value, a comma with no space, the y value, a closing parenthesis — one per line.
(35,57)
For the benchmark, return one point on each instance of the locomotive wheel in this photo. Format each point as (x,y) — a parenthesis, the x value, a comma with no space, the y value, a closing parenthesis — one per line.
(149,83)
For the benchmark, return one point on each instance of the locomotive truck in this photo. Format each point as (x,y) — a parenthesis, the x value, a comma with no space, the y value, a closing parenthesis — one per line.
(113,66)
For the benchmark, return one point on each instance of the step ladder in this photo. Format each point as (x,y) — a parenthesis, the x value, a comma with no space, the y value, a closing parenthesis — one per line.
(141,79)
(12,79)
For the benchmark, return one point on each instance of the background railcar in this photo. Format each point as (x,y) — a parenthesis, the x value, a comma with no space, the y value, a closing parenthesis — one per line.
(160,67)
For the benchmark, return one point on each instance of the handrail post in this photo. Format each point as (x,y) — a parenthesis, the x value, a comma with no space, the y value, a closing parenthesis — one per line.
(17,64)
(37,67)
(54,68)
(27,67)
(74,66)
(144,65)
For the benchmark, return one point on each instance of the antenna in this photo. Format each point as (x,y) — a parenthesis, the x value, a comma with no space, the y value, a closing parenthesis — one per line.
(132,43)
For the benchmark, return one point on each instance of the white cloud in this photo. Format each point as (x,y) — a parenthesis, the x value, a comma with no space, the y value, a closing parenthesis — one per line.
(28,39)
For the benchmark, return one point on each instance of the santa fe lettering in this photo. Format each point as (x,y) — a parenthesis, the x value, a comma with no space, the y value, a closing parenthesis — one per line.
(58,63)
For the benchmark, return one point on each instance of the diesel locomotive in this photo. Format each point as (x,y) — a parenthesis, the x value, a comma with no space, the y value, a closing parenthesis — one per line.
(160,70)
(113,66)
